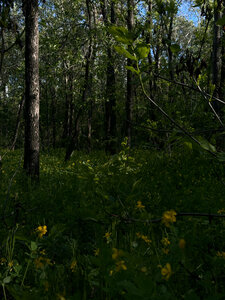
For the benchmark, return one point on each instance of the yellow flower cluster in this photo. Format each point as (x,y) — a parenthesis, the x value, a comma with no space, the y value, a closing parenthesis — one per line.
(120,264)
(166,271)
(41,230)
(107,236)
(96,252)
(139,205)
(41,261)
(220,254)
(116,253)
(143,237)
(169,217)
(165,241)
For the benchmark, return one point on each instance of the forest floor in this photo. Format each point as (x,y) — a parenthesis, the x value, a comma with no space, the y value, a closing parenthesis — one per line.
(119,227)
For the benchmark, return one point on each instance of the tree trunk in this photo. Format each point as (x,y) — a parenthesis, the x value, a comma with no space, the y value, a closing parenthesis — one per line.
(130,76)
(73,141)
(110,102)
(31,147)
(216,52)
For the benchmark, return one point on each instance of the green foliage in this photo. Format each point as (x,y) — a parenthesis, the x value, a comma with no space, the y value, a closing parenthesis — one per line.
(98,241)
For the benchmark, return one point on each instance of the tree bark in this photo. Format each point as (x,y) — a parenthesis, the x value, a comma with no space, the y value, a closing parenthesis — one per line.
(31,147)
(110,102)
(73,141)
(130,76)
(217,52)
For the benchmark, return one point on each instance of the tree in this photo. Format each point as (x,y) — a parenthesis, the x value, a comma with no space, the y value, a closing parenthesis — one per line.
(31,146)
(130,75)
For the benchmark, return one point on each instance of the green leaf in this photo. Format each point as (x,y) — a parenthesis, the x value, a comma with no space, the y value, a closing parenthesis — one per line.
(206,145)
(7,279)
(33,246)
(188,145)
(175,48)
(132,69)
(121,34)
(142,51)
(124,52)
(221,156)
(221,21)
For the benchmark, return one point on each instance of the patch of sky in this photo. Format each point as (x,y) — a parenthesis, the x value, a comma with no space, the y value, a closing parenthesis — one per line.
(191,13)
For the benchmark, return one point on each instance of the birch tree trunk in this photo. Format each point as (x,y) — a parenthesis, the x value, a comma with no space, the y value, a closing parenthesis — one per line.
(31,147)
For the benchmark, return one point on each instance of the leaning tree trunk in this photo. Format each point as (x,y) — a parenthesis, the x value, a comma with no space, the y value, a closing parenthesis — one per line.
(130,76)
(31,147)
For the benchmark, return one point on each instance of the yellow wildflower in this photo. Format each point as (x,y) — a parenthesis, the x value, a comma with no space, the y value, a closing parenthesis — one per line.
(39,262)
(107,236)
(43,252)
(166,271)
(169,217)
(110,272)
(41,231)
(10,264)
(221,211)
(165,241)
(220,254)
(182,244)
(116,253)
(139,205)
(96,252)
(120,265)
(143,237)
(73,265)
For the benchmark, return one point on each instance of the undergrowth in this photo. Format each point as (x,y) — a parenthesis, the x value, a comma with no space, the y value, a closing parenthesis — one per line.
(101,227)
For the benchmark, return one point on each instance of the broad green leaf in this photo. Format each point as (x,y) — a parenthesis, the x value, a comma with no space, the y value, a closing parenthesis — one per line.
(7,279)
(221,21)
(206,145)
(121,34)
(188,145)
(175,48)
(142,51)
(132,69)
(124,52)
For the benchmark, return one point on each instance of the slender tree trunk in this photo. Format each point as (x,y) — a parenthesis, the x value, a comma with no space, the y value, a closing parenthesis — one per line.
(170,53)
(149,42)
(66,123)
(19,115)
(130,76)
(86,89)
(53,113)
(31,147)
(216,52)
(110,103)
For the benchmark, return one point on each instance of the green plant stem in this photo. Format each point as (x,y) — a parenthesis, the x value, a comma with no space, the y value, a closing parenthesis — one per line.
(25,273)
(3,287)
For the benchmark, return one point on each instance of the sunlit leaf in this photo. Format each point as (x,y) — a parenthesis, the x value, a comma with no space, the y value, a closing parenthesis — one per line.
(132,69)
(124,52)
